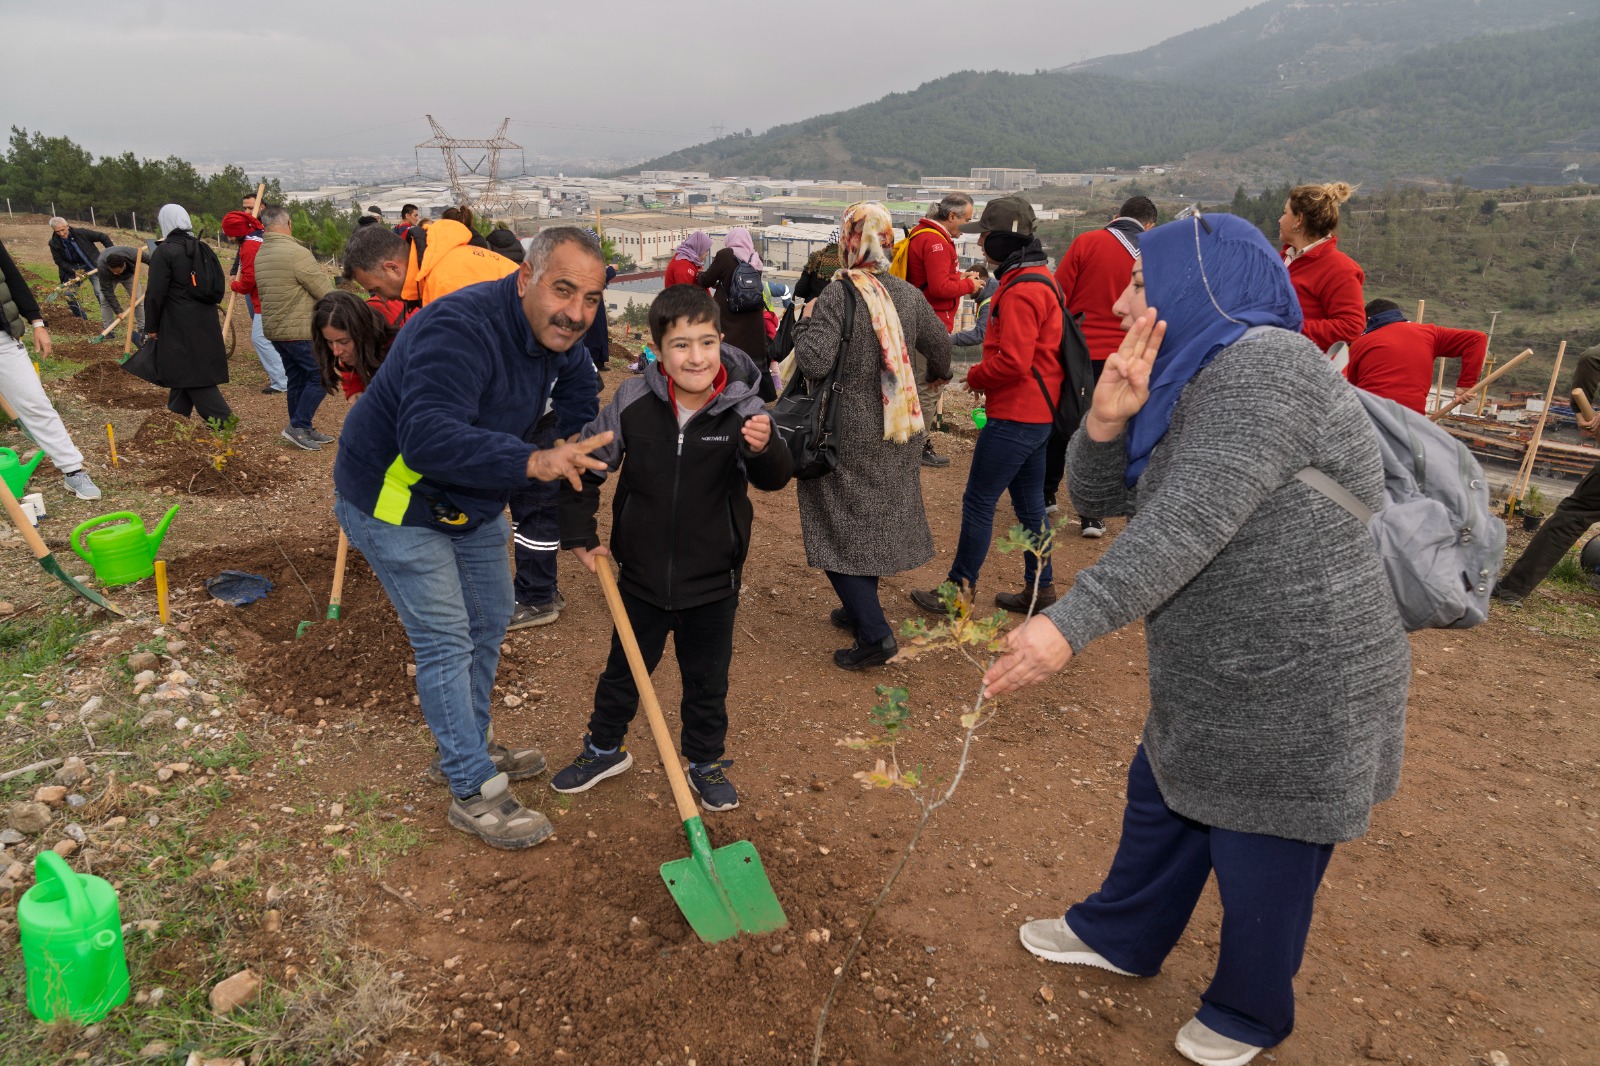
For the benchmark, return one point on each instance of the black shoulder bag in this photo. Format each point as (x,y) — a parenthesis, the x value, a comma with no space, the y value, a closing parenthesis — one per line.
(807,414)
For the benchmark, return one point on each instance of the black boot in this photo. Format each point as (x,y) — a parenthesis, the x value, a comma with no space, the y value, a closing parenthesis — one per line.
(932,458)
(859,656)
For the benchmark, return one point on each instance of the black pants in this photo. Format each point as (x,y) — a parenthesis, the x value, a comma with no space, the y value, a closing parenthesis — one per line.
(536,535)
(703,639)
(1572,518)
(859,597)
(1055,453)
(208,401)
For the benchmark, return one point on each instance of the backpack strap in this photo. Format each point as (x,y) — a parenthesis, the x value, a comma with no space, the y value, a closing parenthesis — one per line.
(1334,491)
(1061,298)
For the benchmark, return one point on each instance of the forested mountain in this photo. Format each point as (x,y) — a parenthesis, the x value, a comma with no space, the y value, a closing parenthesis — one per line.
(1285,45)
(1430,115)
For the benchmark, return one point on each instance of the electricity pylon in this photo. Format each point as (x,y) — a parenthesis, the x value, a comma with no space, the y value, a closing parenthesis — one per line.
(490,199)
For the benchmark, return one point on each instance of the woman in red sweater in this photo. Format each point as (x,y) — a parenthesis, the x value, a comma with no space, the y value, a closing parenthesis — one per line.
(687,259)
(1327,281)
(351,337)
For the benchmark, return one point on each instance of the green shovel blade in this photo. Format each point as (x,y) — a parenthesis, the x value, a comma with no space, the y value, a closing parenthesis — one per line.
(722,892)
(53,568)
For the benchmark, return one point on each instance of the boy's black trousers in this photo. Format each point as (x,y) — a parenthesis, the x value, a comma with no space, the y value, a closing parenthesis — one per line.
(703,639)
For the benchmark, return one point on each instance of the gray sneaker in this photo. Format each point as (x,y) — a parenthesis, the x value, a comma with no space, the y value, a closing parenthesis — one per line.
(300,438)
(495,817)
(319,437)
(1198,1042)
(79,485)
(1054,940)
(518,764)
(525,616)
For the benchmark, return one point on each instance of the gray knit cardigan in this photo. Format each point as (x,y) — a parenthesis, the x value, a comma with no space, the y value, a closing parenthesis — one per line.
(1278,665)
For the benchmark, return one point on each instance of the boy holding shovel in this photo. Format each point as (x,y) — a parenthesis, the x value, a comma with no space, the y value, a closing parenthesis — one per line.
(690,433)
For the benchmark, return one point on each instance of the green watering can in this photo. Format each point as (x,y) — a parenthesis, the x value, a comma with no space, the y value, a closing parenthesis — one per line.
(17,473)
(71,944)
(123,553)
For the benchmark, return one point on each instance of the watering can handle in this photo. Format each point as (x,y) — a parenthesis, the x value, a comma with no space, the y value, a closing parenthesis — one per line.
(52,867)
(9,451)
(76,540)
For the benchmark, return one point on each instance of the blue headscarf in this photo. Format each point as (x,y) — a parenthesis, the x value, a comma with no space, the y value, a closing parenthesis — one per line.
(1210,280)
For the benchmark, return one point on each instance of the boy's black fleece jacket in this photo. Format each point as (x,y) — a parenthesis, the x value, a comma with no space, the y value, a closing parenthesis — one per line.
(681,518)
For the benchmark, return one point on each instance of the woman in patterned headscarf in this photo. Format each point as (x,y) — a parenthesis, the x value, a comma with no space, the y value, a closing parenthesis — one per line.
(865,520)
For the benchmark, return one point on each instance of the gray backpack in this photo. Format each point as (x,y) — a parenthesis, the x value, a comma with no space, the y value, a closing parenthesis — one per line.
(1439,544)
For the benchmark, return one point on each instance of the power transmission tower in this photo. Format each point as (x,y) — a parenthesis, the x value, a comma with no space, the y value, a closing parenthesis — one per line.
(490,198)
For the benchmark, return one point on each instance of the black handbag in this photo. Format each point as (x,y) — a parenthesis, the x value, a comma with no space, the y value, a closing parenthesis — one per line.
(782,342)
(142,363)
(807,414)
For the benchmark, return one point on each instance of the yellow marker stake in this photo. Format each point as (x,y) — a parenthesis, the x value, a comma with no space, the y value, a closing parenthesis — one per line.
(161,589)
(112,437)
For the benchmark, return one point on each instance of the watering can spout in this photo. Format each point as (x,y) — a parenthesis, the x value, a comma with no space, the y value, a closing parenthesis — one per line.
(33,464)
(160,532)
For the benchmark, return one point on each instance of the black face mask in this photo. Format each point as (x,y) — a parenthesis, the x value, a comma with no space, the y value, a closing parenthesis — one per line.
(1000,245)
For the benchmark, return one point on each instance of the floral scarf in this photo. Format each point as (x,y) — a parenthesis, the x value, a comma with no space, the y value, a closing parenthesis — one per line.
(865,237)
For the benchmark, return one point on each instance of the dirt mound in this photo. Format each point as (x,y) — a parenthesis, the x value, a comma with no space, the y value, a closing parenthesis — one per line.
(63,323)
(179,454)
(106,384)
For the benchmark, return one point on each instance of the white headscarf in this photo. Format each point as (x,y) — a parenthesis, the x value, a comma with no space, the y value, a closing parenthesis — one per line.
(173,217)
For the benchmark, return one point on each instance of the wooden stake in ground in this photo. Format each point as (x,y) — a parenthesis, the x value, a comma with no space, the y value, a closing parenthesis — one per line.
(161,589)
(233,294)
(134,296)
(1520,487)
(111,438)
(1483,384)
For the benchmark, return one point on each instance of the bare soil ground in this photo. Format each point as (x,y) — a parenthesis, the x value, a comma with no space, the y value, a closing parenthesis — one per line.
(1463,924)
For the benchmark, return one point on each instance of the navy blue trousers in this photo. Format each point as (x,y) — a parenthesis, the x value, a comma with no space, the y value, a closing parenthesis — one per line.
(1267,886)
(859,597)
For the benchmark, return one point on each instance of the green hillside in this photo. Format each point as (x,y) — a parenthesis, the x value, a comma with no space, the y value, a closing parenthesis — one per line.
(1285,45)
(1432,115)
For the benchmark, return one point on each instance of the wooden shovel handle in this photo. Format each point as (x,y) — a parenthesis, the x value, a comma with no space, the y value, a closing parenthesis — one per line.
(134,296)
(20,520)
(335,598)
(1480,386)
(1581,402)
(647,693)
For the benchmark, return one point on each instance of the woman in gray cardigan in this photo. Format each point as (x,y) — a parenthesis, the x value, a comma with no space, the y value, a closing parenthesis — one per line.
(864,520)
(1278,665)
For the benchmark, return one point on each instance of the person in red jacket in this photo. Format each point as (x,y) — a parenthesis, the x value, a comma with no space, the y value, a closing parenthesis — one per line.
(1096,269)
(933,267)
(245,228)
(687,259)
(1327,281)
(1023,338)
(1394,357)
(350,338)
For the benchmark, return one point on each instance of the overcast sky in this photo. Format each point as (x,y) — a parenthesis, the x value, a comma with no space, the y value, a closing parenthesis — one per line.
(305,78)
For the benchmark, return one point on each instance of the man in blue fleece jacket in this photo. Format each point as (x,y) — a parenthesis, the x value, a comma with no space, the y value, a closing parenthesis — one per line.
(426,463)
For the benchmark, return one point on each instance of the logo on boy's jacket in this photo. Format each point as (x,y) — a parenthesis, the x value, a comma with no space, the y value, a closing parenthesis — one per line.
(723,439)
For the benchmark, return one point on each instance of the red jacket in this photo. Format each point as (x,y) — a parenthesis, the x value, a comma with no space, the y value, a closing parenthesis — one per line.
(1396,361)
(394,313)
(1328,283)
(681,272)
(1093,274)
(245,280)
(931,266)
(1024,335)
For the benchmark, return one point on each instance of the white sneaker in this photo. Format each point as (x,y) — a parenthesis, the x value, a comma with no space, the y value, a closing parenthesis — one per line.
(80,486)
(1198,1042)
(1053,939)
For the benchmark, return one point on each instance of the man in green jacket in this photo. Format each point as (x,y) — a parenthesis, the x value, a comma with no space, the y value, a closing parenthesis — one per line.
(290,281)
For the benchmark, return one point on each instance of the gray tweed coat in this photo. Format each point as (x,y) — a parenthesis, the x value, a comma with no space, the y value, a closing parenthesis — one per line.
(1278,665)
(866,517)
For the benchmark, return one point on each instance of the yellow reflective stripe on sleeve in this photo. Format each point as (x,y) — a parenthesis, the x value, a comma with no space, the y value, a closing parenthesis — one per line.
(395,496)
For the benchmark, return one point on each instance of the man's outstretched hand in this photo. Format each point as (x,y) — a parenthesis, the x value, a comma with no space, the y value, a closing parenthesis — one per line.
(568,459)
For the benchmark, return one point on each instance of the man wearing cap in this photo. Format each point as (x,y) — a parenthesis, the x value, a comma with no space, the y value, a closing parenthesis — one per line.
(1020,376)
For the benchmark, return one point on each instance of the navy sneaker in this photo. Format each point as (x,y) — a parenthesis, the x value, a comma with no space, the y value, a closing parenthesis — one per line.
(716,792)
(591,767)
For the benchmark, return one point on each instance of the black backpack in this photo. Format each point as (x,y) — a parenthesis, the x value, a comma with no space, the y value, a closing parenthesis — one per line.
(205,274)
(745,291)
(1077,383)
(807,414)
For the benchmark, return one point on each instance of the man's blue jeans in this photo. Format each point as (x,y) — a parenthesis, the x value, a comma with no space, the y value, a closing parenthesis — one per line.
(453,595)
(271,361)
(305,381)
(1008,455)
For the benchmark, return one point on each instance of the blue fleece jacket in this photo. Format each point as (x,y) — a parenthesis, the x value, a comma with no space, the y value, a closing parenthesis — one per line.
(437,439)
